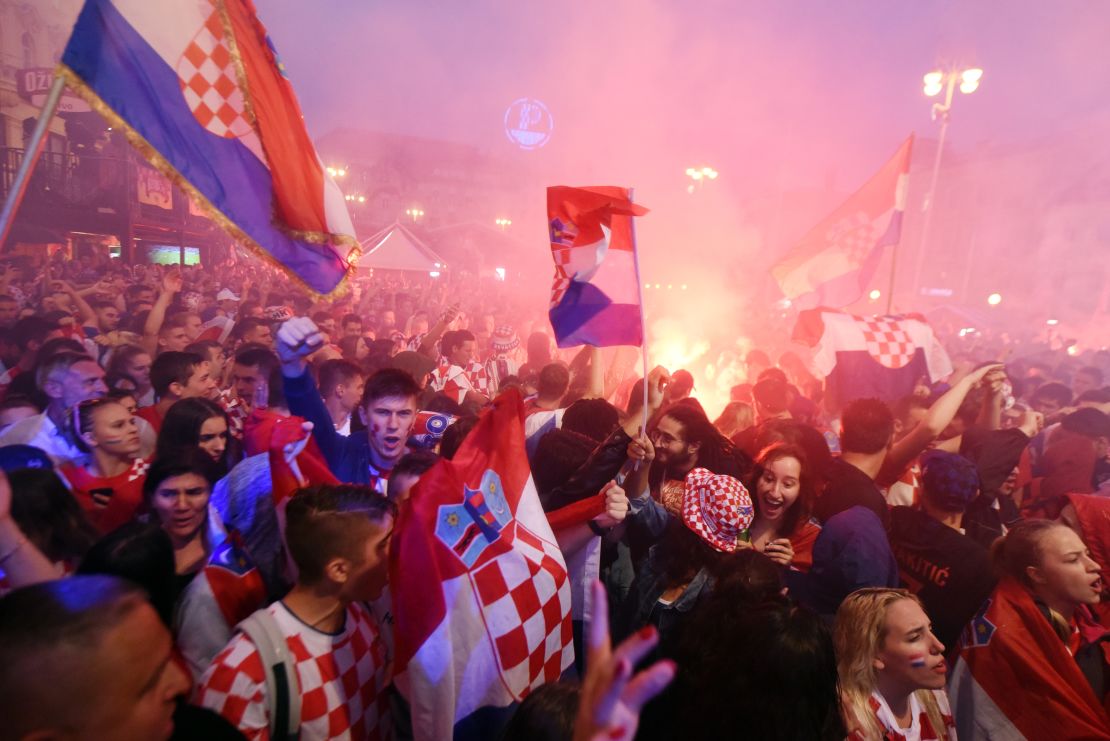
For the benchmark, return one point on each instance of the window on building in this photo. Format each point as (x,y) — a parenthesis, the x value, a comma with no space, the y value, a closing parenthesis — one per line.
(29,55)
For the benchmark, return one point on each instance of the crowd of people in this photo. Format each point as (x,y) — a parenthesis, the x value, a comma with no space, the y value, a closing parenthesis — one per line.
(203,469)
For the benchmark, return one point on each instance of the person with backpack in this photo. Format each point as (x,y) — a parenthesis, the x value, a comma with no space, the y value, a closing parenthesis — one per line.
(313,665)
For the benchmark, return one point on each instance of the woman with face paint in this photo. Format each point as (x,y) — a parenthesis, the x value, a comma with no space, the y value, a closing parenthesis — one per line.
(1033,663)
(783,489)
(109,486)
(891,669)
(216,583)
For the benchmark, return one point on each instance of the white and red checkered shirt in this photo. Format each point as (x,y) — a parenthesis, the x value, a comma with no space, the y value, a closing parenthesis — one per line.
(478,376)
(344,680)
(452,381)
(237,412)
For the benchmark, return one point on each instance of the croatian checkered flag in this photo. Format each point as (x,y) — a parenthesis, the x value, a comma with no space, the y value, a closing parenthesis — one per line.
(878,357)
(481,599)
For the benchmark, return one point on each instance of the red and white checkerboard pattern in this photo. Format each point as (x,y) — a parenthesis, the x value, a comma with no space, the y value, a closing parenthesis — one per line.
(344,680)
(138,469)
(887,342)
(209,82)
(526,601)
(855,236)
(478,376)
(561,256)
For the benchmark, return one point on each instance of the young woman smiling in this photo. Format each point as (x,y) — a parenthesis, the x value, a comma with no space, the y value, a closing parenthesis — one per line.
(783,496)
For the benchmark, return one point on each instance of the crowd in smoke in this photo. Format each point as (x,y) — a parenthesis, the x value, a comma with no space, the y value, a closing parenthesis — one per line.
(825,572)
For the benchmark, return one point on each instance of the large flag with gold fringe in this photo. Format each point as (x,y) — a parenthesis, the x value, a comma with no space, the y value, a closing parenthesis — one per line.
(198,88)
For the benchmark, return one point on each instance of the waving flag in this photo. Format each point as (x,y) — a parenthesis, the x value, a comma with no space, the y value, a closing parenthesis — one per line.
(835,261)
(1009,653)
(595,299)
(871,357)
(199,91)
(481,598)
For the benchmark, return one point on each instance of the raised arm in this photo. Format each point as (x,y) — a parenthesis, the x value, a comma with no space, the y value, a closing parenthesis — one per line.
(939,416)
(171,285)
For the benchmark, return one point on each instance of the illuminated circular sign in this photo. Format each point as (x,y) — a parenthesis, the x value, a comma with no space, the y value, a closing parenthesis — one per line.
(528,123)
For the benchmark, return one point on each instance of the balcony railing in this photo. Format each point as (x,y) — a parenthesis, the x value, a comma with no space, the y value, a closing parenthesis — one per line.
(65,179)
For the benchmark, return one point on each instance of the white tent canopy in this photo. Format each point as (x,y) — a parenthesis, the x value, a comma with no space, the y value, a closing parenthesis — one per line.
(396,248)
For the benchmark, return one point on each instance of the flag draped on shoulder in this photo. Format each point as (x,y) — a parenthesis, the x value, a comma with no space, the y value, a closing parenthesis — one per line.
(595,299)
(199,90)
(481,598)
(879,357)
(1015,678)
(833,263)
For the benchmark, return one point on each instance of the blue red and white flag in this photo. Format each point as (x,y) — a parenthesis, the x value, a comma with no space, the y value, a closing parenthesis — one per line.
(595,299)
(199,90)
(481,597)
(879,357)
(833,264)
(1015,678)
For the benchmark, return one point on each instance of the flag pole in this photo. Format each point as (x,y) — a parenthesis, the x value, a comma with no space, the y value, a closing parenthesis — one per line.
(30,156)
(893,262)
(643,320)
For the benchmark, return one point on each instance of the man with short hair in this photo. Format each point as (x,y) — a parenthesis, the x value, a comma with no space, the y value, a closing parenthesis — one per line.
(772,400)
(351,326)
(681,386)
(455,375)
(255,373)
(175,376)
(213,352)
(388,407)
(866,434)
(174,334)
(107,316)
(545,412)
(252,331)
(341,385)
(946,569)
(1050,398)
(86,657)
(338,537)
(28,335)
(67,378)
(326,322)
(1086,379)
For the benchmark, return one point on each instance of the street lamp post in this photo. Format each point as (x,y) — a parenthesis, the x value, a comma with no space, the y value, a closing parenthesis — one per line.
(935,82)
(699,175)
(503,223)
(414,214)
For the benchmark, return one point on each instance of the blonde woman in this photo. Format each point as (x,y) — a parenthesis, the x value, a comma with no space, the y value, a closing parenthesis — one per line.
(891,668)
(1032,663)
(736,417)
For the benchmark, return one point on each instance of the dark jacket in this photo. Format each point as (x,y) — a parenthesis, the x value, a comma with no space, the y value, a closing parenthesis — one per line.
(849,487)
(852,552)
(347,457)
(643,606)
(948,571)
(598,470)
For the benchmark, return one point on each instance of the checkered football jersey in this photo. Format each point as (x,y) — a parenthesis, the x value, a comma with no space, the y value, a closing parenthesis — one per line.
(452,381)
(344,680)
